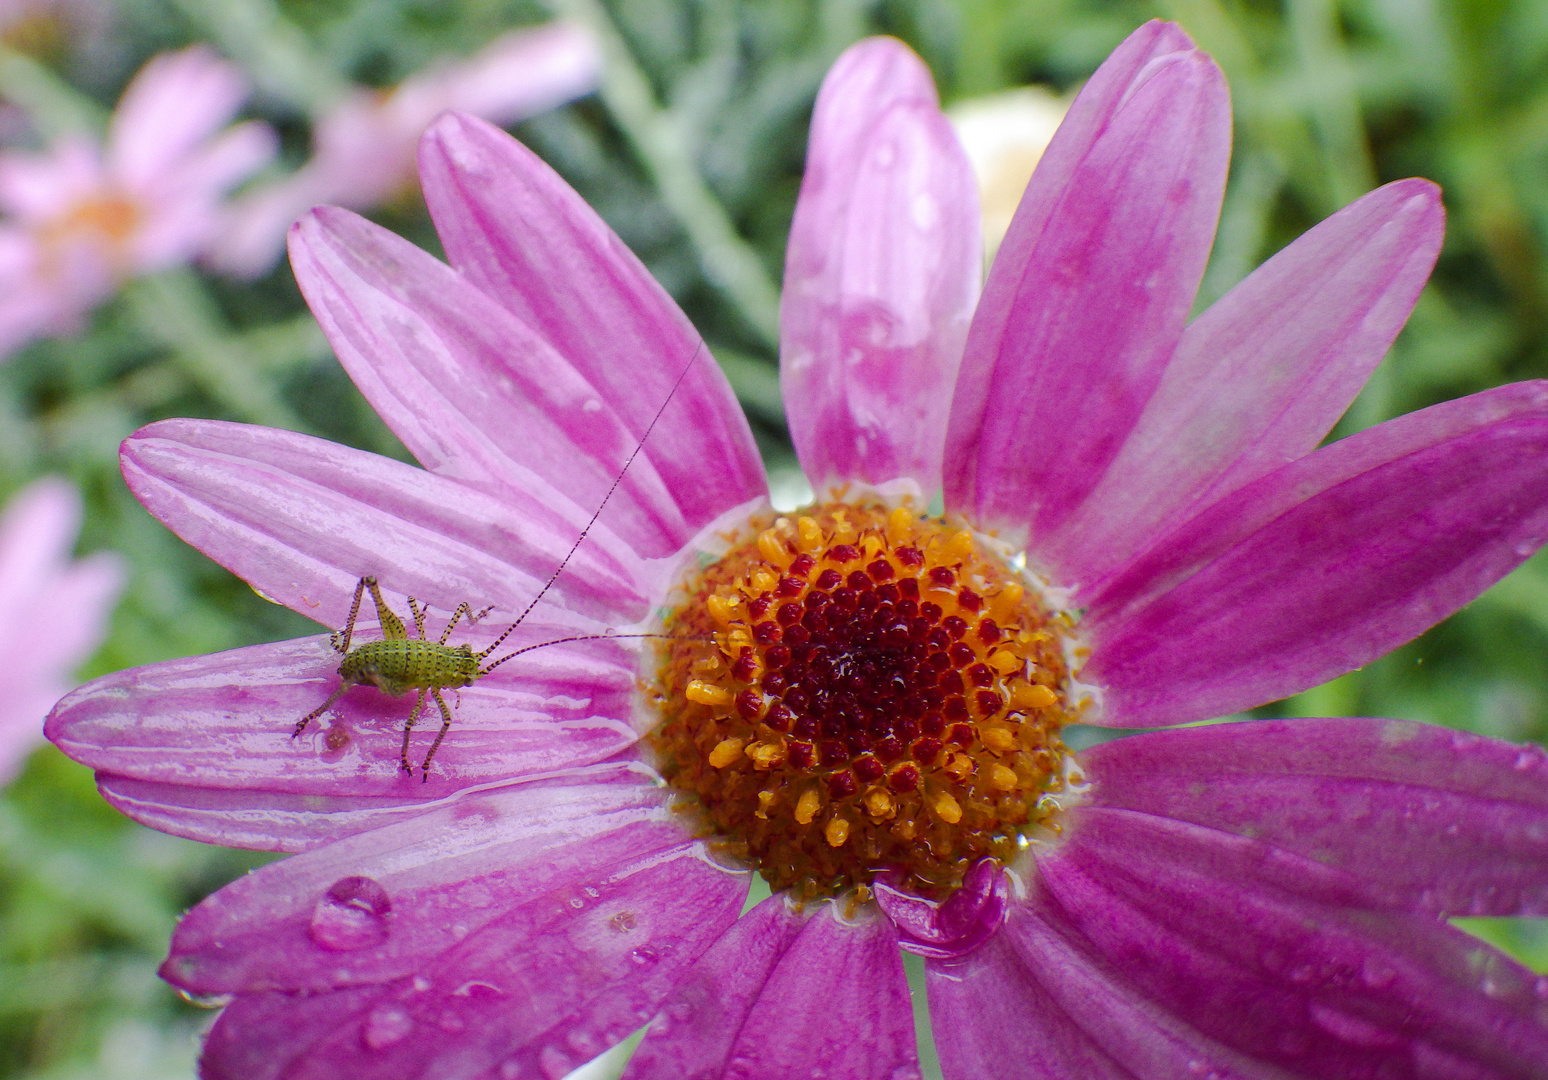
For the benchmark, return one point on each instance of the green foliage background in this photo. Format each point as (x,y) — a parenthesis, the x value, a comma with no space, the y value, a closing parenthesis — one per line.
(693,153)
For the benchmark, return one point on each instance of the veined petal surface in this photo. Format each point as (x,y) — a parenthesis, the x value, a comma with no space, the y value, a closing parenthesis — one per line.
(1287,963)
(302,519)
(477,395)
(1089,293)
(523,929)
(881,275)
(1261,377)
(518,232)
(225,721)
(784,996)
(1440,820)
(1326,563)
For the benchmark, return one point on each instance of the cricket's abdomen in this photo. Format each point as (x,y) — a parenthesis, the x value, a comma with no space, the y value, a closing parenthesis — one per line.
(402,664)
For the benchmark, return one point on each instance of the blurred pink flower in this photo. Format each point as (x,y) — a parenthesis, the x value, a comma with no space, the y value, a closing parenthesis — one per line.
(1255,900)
(53,611)
(363,150)
(81,219)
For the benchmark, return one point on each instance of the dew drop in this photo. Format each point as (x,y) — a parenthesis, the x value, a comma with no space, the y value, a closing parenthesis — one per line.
(907,1072)
(681,1010)
(352,914)
(555,1063)
(510,1070)
(1465,740)
(1377,973)
(450,1021)
(385,1025)
(1527,760)
(644,957)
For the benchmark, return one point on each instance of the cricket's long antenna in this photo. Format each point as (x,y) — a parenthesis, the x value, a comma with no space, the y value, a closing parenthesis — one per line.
(590,637)
(681,375)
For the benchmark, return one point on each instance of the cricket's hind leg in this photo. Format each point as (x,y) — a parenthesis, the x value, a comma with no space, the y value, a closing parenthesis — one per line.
(339,639)
(446,721)
(408,730)
(324,707)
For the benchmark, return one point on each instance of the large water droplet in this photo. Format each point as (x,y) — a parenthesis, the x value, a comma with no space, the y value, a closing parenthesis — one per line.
(351,915)
(385,1025)
(555,1063)
(1377,973)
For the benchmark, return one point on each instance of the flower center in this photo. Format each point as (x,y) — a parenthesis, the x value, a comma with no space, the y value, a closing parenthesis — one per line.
(882,693)
(104,224)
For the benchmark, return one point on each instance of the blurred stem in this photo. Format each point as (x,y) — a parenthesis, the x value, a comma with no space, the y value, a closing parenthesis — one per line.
(174,309)
(276,53)
(1327,81)
(661,139)
(54,107)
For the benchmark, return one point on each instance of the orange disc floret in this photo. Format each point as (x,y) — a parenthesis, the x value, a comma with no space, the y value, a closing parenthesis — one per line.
(882,692)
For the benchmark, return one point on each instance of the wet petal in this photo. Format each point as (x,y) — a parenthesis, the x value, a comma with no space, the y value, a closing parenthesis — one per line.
(521,930)
(517,231)
(1325,564)
(225,721)
(1441,820)
(782,995)
(1039,1003)
(881,274)
(1088,294)
(303,519)
(477,395)
(964,921)
(1287,962)
(1261,377)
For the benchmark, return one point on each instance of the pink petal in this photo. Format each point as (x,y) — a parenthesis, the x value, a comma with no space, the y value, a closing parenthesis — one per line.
(1039,1003)
(1260,378)
(785,996)
(477,396)
(302,520)
(881,274)
(1090,290)
(518,232)
(524,931)
(255,819)
(175,102)
(1327,563)
(226,721)
(445,873)
(1441,820)
(1288,962)
(956,926)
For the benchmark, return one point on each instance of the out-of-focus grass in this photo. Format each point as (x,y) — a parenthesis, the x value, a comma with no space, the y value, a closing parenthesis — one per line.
(1331,98)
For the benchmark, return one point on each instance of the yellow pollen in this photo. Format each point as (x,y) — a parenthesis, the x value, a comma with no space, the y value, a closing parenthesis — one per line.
(1031,696)
(878,803)
(722,609)
(857,687)
(725,752)
(1005,662)
(811,538)
(806,806)
(1002,779)
(707,693)
(1001,740)
(946,808)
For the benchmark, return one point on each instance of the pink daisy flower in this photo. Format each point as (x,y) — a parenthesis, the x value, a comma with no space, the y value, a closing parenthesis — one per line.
(363,149)
(860,701)
(53,611)
(81,219)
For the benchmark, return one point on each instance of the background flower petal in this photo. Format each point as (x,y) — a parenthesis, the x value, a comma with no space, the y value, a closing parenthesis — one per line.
(881,274)
(1089,293)
(1325,564)
(789,997)
(1262,376)
(477,395)
(1289,962)
(517,231)
(302,519)
(1441,820)
(225,721)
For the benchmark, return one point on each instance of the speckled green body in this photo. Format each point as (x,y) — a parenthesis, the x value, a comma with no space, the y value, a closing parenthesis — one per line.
(397,665)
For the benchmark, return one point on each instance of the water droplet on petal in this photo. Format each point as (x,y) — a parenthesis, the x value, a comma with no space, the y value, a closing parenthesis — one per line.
(450,1020)
(644,957)
(352,914)
(1377,973)
(681,1010)
(907,1072)
(555,1063)
(386,1024)
(1464,740)
(511,1070)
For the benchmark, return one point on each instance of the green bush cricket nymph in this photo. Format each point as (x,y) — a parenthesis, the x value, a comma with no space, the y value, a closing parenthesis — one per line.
(398,663)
